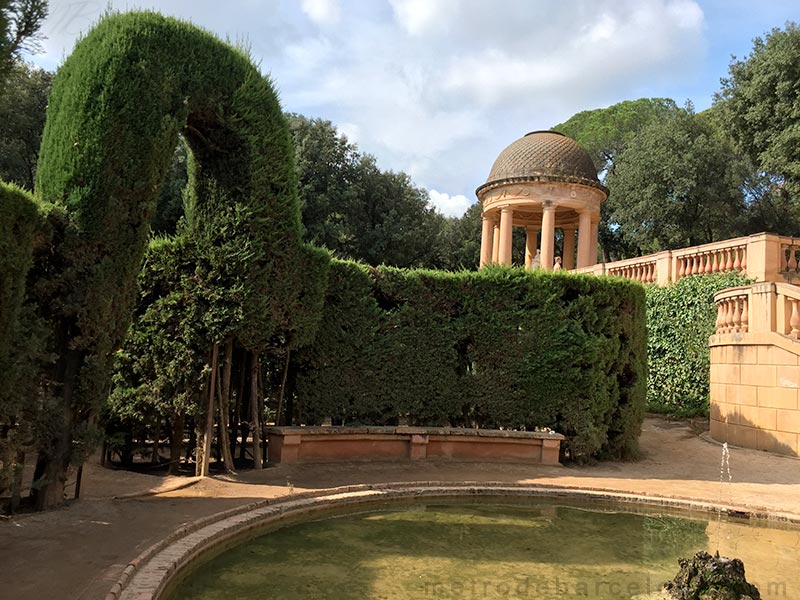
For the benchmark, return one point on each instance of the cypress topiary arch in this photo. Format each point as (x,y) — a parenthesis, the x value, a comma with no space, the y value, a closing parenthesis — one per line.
(117,107)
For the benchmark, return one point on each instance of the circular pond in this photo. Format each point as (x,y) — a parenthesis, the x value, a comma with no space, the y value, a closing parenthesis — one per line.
(532,548)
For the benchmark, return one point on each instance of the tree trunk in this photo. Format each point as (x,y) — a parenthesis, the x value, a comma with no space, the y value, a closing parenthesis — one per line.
(224,408)
(156,442)
(244,419)
(176,443)
(255,418)
(282,390)
(52,465)
(16,484)
(202,466)
(192,445)
(199,440)
(239,428)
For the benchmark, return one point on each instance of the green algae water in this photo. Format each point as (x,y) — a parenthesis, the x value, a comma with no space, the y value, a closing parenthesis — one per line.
(541,551)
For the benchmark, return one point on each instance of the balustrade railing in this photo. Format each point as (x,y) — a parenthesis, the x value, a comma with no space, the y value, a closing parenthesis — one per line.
(768,307)
(761,257)
(713,260)
(638,270)
(732,310)
(790,258)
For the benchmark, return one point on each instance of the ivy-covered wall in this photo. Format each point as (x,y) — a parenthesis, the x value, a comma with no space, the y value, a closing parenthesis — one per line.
(680,319)
(494,348)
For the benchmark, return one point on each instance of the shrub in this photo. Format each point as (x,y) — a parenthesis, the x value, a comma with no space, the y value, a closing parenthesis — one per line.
(680,319)
(495,348)
(117,106)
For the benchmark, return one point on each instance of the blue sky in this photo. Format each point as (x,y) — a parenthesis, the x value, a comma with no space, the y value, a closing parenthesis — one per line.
(437,88)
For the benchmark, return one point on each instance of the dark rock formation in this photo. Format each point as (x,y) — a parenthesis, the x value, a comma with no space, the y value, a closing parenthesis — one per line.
(706,577)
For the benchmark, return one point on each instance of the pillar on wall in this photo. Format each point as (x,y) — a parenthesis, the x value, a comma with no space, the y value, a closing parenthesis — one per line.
(548,234)
(506,230)
(568,256)
(584,238)
(487,237)
(496,242)
(531,241)
(595,226)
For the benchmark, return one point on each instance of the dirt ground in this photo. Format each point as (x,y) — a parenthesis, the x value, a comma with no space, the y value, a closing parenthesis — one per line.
(79,551)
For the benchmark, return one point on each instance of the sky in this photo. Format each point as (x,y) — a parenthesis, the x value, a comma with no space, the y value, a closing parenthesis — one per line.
(437,88)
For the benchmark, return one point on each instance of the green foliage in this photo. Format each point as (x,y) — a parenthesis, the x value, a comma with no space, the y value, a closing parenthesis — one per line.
(760,103)
(677,184)
(680,319)
(19,221)
(495,348)
(460,241)
(117,107)
(169,208)
(21,335)
(22,111)
(20,21)
(605,132)
(160,367)
(356,210)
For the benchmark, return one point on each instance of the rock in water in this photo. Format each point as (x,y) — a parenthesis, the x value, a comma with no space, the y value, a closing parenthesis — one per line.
(706,577)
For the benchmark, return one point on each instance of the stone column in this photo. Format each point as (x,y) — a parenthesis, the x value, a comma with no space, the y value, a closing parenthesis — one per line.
(568,262)
(532,233)
(487,235)
(584,238)
(548,234)
(506,227)
(495,242)
(595,225)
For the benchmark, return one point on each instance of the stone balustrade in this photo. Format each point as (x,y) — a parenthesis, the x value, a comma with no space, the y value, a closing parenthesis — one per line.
(710,258)
(755,366)
(732,307)
(761,256)
(767,307)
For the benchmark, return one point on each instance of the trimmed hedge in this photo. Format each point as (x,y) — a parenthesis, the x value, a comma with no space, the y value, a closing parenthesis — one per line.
(495,348)
(680,319)
(117,106)
(19,221)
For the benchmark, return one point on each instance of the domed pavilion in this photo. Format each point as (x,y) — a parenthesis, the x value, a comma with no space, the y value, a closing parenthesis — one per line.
(543,181)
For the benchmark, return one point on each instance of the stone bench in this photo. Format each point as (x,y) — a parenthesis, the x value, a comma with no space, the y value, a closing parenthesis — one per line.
(330,444)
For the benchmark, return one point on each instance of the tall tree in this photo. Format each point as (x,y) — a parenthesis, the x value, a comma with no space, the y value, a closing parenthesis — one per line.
(354,208)
(460,241)
(605,133)
(20,21)
(760,104)
(23,105)
(326,167)
(677,184)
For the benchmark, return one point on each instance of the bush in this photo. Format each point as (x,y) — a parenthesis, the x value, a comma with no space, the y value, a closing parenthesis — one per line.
(495,348)
(118,104)
(680,319)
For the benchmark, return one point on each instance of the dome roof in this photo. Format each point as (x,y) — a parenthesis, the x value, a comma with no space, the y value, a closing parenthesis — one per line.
(544,156)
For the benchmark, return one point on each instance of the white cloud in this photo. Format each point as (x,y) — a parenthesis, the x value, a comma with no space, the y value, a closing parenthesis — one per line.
(449,206)
(322,12)
(422,16)
(437,88)
(440,87)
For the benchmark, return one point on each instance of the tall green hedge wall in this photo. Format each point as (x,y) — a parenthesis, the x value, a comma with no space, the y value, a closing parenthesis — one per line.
(19,221)
(494,348)
(680,319)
